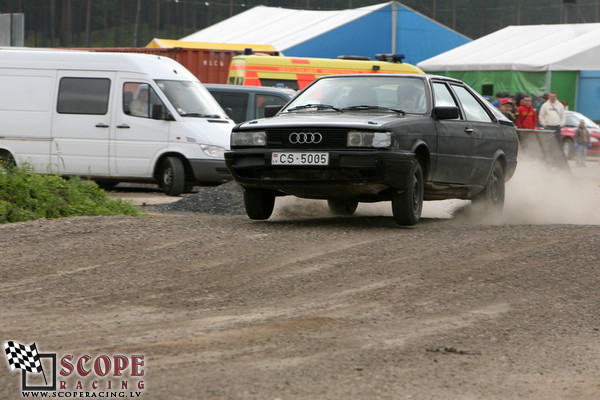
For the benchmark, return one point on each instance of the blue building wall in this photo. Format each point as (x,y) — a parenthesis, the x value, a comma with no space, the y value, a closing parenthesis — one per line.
(588,94)
(417,37)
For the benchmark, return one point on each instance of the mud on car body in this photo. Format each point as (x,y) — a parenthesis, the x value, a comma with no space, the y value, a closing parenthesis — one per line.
(402,138)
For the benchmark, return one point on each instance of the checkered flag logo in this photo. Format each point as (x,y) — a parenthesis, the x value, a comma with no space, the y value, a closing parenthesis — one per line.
(23,357)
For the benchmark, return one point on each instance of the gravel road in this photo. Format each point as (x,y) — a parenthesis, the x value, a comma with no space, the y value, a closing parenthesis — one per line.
(310,306)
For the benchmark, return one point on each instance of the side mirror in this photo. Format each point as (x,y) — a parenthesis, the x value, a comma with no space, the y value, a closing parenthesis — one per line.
(271,110)
(159,112)
(445,112)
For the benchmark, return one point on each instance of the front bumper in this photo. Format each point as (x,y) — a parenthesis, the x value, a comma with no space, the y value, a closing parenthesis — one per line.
(210,170)
(360,174)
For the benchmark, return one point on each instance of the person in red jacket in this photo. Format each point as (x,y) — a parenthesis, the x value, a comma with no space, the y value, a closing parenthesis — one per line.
(527,117)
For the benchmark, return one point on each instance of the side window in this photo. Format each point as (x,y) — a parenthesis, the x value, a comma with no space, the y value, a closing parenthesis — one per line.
(83,96)
(442,95)
(473,110)
(263,100)
(236,102)
(138,99)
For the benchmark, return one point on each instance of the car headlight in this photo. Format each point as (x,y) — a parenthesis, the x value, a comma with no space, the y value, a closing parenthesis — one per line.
(213,151)
(369,139)
(253,138)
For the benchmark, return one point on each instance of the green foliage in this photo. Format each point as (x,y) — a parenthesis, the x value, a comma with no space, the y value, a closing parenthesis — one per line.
(25,195)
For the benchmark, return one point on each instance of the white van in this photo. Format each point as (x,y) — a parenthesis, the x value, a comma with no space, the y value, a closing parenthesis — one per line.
(111,117)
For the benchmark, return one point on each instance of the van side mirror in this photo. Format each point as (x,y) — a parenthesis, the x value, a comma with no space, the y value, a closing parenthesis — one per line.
(159,112)
(272,109)
(445,112)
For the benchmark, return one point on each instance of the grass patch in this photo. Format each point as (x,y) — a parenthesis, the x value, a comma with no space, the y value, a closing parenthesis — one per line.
(25,195)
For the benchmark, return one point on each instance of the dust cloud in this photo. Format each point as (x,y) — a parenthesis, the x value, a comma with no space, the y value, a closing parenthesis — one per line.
(536,194)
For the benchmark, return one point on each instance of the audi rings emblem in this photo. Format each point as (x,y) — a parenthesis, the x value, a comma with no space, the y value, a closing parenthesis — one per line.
(305,137)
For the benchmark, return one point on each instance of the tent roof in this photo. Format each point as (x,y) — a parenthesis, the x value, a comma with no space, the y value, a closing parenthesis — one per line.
(171,43)
(560,47)
(281,27)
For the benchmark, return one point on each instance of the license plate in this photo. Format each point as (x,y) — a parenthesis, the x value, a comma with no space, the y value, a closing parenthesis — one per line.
(297,158)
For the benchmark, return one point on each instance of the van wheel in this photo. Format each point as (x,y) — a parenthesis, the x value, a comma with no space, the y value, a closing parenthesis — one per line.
(172,176)
(408,204)
(342,207)
(7,160)
(259,203)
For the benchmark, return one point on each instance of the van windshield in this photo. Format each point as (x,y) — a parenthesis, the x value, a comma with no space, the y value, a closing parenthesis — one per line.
(191,99)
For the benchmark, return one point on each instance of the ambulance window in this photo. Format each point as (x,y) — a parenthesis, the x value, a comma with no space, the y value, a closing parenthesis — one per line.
(263,100)
(240,81)
(280,83)
(83,96)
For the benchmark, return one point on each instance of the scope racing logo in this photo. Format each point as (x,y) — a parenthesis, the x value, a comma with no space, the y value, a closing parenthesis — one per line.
(103,376)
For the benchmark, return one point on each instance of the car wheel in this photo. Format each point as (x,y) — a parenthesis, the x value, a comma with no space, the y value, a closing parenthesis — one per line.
(342,207)
(568,149)
(408,204)
(258,203)
(492,197)
(106,184)
(172,176)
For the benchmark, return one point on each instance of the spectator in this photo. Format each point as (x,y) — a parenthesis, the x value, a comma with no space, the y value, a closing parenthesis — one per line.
(582,140)
(506,105)
(539,105)
(552,115)
(499,97)
(526,115)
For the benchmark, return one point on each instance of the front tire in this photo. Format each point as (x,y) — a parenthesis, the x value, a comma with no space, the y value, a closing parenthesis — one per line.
(342,207)
(407,205)
(172,176)
(258,203)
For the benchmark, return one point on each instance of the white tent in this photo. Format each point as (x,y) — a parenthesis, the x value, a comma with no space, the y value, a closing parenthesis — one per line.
(565,47)
(280,27)
(382,28)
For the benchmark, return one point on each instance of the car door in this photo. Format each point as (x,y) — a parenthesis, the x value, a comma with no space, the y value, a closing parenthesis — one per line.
(485,133)
(138,138)
(455,143)
(81,127)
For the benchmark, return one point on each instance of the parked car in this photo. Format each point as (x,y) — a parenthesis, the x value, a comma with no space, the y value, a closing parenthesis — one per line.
(244,103)
(402,138)
(568,133)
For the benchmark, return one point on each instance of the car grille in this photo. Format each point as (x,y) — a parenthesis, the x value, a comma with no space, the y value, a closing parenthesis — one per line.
(331,138)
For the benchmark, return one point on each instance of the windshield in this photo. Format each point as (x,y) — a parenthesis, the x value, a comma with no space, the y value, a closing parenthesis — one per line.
(362,93)
(191,99)
(574,118)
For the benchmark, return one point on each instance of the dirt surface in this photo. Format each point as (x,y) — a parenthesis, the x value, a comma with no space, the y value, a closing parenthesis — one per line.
(310,306)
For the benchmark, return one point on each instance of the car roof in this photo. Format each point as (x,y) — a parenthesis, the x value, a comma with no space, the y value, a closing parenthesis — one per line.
(249,89)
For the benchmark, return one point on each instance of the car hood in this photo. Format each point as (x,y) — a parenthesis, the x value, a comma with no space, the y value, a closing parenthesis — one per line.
(364,120)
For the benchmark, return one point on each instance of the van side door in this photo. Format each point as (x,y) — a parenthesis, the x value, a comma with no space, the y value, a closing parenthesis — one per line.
(82,123)
(139,139)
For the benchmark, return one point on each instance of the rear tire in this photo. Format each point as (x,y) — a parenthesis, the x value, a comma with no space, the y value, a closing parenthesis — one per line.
(568,149)
(259,203)
(492,197)
(408,204)
(342,207)
(172,176)
(7,161)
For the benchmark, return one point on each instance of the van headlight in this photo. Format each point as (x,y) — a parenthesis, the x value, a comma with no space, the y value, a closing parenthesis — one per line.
(369,139)
(251,138)
(213,151)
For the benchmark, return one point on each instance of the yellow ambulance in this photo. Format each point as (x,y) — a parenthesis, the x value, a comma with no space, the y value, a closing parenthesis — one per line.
(297,72)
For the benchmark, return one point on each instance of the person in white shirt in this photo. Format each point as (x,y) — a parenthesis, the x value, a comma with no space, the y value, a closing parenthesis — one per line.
(552,115)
